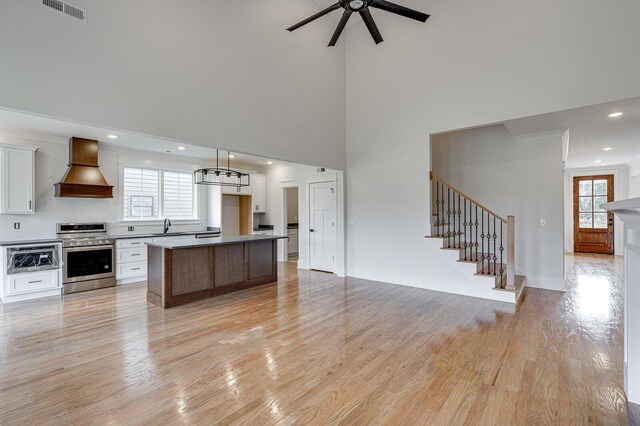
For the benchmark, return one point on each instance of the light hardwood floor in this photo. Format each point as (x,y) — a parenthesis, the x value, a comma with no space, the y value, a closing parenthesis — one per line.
(317,349)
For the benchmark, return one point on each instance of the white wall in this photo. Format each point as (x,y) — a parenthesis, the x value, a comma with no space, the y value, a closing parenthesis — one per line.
(620,192)
(470,64)
(210,72)
(51,165)
(524,179)
(300,176)
(634,187)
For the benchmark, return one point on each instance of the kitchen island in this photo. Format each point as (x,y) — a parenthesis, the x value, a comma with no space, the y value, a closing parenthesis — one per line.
(181,272)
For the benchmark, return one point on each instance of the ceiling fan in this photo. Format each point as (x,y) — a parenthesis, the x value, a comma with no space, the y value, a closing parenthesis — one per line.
(362,7)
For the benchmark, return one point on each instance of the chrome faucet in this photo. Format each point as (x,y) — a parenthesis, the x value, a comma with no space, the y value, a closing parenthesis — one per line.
(167,224)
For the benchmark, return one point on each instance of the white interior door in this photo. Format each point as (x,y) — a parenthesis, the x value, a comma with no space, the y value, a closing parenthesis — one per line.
(322,226)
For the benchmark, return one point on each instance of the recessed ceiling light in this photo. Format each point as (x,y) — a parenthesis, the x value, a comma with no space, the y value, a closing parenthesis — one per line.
(269,162)
(607,148)
(182,148)
(598,161)
(232,156)
(112,136)
(615,114)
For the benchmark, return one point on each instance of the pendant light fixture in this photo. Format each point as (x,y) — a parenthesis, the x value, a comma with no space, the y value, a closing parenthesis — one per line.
(221,176)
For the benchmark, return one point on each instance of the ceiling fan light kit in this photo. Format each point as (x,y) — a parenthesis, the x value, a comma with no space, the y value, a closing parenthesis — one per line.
(362,7)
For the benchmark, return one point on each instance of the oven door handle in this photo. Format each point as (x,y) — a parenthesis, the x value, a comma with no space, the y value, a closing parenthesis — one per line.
(47,250)
(88,248)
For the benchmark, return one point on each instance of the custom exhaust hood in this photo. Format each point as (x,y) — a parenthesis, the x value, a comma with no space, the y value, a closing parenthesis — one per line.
(83,178)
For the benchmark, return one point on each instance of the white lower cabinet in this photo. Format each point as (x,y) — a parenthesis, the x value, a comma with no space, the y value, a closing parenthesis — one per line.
(33,282)
(131,260)
(132,270)
(292,245)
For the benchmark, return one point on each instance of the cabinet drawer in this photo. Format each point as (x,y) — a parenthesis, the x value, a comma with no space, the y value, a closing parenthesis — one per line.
(132,270)
(35,281)
(132,254)
(132,243)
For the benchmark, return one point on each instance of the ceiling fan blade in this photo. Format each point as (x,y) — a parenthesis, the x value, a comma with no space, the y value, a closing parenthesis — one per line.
(371,25)
(314,17)
(343,21)
(400,10)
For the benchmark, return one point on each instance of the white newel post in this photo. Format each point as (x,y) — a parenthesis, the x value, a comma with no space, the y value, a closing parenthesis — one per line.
(629,212)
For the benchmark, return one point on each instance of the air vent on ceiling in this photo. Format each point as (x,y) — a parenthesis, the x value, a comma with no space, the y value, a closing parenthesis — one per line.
(66,8)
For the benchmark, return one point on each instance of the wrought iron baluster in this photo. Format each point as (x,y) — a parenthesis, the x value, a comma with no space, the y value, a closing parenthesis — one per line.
(442,207)
(482,244)
(465,229)
(459,224)
(501,250)
(437,207)
(453,217)
(495,257)
(448,217)
(476,225)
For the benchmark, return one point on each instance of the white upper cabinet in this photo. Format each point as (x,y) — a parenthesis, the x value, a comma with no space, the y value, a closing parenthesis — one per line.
(17,172)
(259,184)
(244,190)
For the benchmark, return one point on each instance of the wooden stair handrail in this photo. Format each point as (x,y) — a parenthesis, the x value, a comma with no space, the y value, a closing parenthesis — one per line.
(434,177)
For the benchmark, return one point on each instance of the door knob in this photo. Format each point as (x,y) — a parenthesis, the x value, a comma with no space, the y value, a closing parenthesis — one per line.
(312,230)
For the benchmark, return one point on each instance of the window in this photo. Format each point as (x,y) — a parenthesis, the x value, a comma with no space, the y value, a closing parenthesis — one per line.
(150,194)
(592,194)
(141,194)
(177,195)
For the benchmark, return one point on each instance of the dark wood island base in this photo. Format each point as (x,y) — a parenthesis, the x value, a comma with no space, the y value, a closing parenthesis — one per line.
(184,272)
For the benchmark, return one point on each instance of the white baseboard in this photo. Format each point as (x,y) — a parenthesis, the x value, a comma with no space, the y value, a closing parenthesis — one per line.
(131,280)
(546,283)
(31,296)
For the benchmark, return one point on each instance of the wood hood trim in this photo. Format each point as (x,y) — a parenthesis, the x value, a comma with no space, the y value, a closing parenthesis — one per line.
(83,178)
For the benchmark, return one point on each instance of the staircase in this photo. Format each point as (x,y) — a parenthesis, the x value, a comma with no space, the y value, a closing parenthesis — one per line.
(477,236)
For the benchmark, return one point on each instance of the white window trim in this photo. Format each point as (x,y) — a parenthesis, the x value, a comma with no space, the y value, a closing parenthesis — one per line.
(122,221)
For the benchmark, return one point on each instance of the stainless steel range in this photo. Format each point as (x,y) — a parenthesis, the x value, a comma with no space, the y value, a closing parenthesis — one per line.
(88,256)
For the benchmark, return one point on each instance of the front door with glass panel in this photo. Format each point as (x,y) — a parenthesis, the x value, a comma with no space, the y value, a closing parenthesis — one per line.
(592,224)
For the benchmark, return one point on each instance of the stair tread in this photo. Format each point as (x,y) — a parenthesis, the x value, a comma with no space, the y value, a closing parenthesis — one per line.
(519,285)
(442,236)
(472,257)
(489,270)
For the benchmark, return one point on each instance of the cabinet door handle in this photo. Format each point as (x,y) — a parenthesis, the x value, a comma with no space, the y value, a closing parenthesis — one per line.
(135,269)
(35,282)
(135,244)
(30,203)
(135,254)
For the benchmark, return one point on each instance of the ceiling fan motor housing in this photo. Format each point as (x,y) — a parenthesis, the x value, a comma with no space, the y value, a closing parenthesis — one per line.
(355,5)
